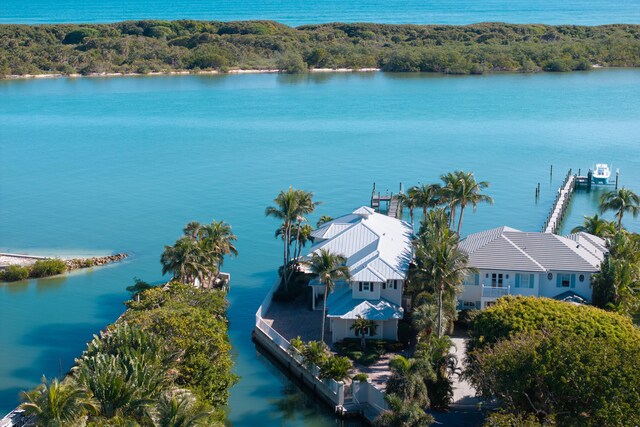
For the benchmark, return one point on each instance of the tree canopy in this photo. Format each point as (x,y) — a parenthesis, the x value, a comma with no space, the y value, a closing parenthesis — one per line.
(560,363)
(165,46)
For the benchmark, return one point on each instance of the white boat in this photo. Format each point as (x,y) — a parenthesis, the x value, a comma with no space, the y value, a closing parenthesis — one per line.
(601,174)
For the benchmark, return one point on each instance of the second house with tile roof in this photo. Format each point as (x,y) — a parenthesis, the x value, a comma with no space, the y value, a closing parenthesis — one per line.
(512,262)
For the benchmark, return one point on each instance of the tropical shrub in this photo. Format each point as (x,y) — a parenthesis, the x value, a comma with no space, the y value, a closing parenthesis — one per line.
(14,273)
(360,376)
(512,315)
(576,366)
(336,368)
(48,267)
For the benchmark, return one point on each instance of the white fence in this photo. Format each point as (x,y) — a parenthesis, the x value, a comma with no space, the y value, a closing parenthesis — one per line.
(366,397)
(332,391)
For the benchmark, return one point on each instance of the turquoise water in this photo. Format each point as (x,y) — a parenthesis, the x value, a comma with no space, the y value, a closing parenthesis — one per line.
(298,12)
(101,165)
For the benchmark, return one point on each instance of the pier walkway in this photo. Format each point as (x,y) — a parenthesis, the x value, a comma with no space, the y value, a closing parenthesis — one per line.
(559,208)
(392,202)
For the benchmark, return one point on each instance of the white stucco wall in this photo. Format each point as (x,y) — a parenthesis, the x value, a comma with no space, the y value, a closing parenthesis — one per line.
(341,329)
(392,294)
(549,287)
(375,294)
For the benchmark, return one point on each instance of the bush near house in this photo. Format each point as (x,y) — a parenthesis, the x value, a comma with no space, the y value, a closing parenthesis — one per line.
(556,363)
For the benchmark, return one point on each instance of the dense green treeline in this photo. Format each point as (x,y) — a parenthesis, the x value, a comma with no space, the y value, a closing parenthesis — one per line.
(164,46)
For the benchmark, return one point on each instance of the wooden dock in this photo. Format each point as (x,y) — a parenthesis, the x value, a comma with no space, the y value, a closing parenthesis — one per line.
(391,200)
(560,204)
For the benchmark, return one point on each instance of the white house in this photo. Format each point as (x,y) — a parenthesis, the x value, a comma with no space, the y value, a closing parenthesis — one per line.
(378,252)
(513,262)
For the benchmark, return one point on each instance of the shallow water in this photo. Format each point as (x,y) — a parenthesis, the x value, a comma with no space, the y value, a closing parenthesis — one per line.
(298,12)
(100,165)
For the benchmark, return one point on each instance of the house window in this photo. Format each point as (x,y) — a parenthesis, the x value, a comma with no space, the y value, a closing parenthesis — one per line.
(395,284)
(367,332)
(497,280)
(469,304)
(524,281)
(565,280)
(366,286)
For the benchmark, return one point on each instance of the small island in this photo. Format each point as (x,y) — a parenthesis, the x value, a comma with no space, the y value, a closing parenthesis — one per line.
(16,267)
(187,46)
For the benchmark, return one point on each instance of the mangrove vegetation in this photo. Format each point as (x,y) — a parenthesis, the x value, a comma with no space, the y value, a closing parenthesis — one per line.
(192,46)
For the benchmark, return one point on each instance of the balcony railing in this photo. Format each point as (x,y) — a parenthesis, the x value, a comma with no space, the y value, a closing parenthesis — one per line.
(491,292)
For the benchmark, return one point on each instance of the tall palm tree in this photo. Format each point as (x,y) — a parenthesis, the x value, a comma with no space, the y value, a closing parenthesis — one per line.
(58,404)
(469,193)
(290,207)
(408,378)
(183,260)
(597,226)
(217,241)
(329,268)
(410,202)
(449,191)
(621,201)
(428,196)
(439,263)
(362,327)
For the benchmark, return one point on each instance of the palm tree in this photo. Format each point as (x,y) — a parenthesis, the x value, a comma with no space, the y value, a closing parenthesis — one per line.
(58,404)
(439,262)
(329,268)
(408,201)
(428,196)
(180,410)
(597,226)
(449,192)
(621,201)
(408,378)
(323,220)
(425,318)
(469,193)
(217,241)
(403,414)
(290,207)
(362,327)
(183,260)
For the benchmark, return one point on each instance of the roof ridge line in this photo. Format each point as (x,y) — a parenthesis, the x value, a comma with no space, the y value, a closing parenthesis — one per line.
(524,253)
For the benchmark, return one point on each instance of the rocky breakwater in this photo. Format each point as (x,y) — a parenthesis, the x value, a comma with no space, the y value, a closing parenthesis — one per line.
(76,263)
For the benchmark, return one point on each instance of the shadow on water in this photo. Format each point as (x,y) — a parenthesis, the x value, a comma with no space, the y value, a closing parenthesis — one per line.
(50,284)
(16,287)
(295,401)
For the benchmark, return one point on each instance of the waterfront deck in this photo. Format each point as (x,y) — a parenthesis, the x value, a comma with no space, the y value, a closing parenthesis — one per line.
(391,201)
(560,204)
(295,319)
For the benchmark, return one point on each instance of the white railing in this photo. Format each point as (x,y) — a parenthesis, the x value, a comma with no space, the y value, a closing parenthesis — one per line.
(491,292)
(334,388)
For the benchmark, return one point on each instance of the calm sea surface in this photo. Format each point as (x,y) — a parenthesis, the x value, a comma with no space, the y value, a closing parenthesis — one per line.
(99,165)
(298,12)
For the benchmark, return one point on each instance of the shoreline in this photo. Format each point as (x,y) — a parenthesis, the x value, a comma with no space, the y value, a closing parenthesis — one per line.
(26,263)
(264,71)
(182,73)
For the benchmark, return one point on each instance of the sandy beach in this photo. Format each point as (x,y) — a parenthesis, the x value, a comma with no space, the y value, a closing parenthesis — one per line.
(184,72)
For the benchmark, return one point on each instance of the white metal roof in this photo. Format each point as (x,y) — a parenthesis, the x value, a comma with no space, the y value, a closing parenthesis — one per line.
(377,247)
(506,248)
(341,305)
